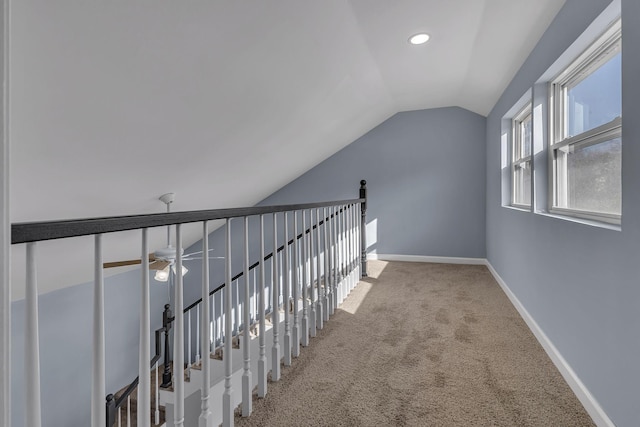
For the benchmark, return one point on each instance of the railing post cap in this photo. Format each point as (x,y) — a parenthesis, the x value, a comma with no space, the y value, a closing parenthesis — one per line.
(167,306)
(109,397)
(363,183)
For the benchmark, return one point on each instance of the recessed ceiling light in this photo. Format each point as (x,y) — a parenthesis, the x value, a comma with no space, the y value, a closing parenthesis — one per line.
(419,38)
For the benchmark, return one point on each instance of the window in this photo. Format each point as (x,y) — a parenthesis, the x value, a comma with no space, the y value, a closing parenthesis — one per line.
(521,159)
(586,144)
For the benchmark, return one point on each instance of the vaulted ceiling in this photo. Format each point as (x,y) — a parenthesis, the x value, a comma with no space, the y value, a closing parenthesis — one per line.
(223,102)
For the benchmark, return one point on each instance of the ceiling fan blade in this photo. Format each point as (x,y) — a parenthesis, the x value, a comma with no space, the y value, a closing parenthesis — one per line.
(159,265)
(121,263)
(194,253)
(152,258)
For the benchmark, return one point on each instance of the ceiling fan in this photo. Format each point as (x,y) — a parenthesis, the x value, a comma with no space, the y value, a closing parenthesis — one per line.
(163,260)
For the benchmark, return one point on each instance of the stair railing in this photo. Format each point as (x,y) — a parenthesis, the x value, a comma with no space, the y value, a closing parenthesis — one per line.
(344,222)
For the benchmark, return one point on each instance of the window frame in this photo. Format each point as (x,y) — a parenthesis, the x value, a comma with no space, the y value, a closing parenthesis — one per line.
(517,159)
(603,49)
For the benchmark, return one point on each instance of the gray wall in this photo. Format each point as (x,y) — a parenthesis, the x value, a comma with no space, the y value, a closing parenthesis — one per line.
(65,319)
(422,170)
(580,283)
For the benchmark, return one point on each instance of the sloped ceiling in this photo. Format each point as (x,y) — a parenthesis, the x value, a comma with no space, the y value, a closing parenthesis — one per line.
(223,102)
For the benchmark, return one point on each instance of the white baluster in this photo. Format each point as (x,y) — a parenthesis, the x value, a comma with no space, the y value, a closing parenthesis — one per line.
(343,252)
(198,340)
(144,352)
(262,359)
(178,337)
(305,283)
(157,394)
(326,291)
(275,310)
(336,265)
(295,349)
(204,334)
(236,309)
(32,345)
(353,247)
(312,306)
(286,291)
(98,410)
(340,240)
(329,263)
(188,349)
(227,402)
(319,318)
(119,417)
(247,382)
(359,239)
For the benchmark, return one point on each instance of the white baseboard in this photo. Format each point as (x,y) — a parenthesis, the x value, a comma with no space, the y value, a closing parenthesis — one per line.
(579,389)
(434,259)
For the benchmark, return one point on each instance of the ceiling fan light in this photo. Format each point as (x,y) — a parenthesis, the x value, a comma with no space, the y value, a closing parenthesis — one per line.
(185,270)
(162,275)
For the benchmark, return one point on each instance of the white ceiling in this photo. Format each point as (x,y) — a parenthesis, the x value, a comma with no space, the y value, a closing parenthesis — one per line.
(223,102)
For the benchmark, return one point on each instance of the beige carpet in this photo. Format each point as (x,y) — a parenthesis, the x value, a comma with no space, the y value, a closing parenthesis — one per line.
(421,345)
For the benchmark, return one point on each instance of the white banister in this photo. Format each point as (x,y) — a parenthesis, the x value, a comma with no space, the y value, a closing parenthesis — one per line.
(312,304)
(326,265)
(339,254)
(227,402)
(295,349)
(5,224)
(286,293)
(305,283)
(236,308)
(262,358)
(275,306)
(144,352)
(178,337)
(330,263)
(204,334)
(359,239)
(336,259)
(352,278)
(98,410)
(198,322)
(129,411)
(32,346)
(188,352)
(319,319)
(157,399)
(247,381)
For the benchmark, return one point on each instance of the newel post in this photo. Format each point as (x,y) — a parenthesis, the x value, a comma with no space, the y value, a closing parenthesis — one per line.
(167,318)
(363,227)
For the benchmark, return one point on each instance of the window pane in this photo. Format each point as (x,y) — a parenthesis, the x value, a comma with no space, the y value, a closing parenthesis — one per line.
(594,181)
(525,137)
(522,184)
(595,100)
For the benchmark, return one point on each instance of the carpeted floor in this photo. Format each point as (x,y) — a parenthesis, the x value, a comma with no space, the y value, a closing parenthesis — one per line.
(421,344)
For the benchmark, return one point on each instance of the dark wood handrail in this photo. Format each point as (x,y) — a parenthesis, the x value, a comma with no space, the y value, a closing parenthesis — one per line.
(25,232)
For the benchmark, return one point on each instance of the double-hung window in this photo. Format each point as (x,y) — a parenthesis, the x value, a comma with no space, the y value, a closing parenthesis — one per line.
(586,143)
(521,158)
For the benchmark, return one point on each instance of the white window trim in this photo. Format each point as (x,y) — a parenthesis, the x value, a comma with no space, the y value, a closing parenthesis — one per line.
(516,158)
(599,52)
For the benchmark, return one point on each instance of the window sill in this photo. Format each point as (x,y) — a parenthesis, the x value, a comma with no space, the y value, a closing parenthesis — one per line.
(583,221)
(519,208)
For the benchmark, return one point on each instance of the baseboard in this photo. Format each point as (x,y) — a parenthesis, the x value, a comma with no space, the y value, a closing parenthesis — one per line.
(579,389)
(434,259)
